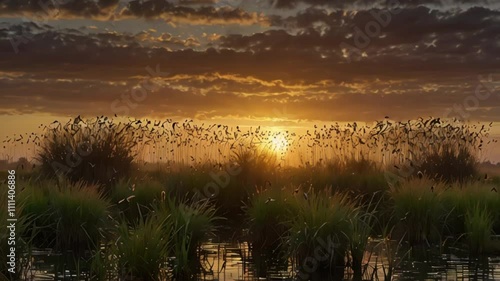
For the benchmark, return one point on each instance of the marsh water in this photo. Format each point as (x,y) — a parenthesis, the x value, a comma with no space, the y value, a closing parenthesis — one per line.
(236,261)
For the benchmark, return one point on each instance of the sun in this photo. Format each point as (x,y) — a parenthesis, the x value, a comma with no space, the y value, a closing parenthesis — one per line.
(278,143)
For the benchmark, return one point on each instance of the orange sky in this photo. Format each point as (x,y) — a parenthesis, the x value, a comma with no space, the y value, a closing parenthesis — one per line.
(279,63)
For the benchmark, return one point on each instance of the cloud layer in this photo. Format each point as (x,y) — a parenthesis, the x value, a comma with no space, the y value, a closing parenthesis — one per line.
(321,60)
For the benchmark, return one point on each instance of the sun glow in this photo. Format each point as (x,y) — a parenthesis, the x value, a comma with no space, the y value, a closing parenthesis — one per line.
(279,143)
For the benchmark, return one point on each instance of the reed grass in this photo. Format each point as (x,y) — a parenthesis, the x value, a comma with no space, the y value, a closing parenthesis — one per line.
(479,228)
(349,159)
(417,208)
(192,223)
(142,250)
(95,151)
(135,199)
(450,162)
(471,200)
(362,223)
(267,215)
(321,225)
(23,242)
(79,216)
(36,200)
(256,164)
(72,217)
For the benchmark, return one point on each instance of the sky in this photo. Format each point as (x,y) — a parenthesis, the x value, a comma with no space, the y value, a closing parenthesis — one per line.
(277,62)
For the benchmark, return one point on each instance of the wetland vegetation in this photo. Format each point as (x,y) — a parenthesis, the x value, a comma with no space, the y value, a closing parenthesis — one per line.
(141,200)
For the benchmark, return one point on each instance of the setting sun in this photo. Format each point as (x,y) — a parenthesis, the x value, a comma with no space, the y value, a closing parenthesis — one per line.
(279,143)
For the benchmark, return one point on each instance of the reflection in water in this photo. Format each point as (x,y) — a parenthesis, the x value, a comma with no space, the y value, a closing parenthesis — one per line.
(237,261)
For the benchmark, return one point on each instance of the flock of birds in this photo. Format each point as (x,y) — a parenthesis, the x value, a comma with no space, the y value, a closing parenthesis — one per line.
(169,141)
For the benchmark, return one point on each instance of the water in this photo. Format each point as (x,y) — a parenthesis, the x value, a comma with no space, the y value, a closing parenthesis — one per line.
(234,262)
(451,267)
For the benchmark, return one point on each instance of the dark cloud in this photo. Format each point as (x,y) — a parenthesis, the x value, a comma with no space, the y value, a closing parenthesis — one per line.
(416,33)
(49,9)
(421,61)
(186,11)
(357,4)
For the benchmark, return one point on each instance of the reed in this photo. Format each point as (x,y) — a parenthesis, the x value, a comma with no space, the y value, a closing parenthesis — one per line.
(135,199)
(450,162)
(79,216)
(349,159)
(192,223)
(268,213)
(479,228)
(320,231)
(257,165)
(95,151)
(23,242)
(142,250)
(36,201)
(417,208)
(468,199)
(362,223)
(68,217)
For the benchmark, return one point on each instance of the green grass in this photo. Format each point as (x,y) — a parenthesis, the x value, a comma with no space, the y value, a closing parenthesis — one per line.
(362,223)
(417,207)
(193,223)
(135,199)
(36,200)
(79,214)
(267,214)
(469,203)
(23,242)
(71,217)
(142,250)
(321,225)
(479,228)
